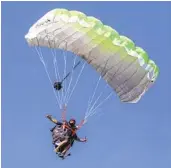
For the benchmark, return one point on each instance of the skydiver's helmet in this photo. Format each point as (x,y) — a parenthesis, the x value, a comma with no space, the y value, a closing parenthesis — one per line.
(72,122)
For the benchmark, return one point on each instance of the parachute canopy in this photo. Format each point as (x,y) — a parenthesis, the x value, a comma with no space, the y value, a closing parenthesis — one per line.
(125,67)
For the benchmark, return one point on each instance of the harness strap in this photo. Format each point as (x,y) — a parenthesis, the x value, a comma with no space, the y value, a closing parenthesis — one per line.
(80,125)
(64,113)
(66,126)
(73,131)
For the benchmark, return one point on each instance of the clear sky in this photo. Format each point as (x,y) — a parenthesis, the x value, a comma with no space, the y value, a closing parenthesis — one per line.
(123,135)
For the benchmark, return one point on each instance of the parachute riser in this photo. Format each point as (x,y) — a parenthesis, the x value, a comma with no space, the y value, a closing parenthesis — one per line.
(64,117)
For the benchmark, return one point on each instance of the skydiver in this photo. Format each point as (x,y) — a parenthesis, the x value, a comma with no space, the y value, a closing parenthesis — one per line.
(58,133)
(72,136)
(68,136)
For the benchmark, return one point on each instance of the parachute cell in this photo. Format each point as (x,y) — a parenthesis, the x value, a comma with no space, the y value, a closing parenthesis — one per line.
(125,67)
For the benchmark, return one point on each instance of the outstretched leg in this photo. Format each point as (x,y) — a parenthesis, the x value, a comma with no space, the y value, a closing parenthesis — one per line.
(60,145)
(66,149)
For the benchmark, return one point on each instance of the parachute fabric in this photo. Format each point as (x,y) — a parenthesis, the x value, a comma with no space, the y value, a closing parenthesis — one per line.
(125,67)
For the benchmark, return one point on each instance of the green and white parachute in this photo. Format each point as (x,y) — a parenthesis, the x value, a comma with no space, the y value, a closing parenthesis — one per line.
(124,66)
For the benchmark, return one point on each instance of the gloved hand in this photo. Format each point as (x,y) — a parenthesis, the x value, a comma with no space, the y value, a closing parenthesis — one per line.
(49,116)
(84,140)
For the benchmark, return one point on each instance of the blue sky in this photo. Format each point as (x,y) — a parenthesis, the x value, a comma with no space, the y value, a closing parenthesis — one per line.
(123,135)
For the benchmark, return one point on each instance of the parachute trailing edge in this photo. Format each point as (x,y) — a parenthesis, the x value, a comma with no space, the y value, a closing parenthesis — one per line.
(125,67)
